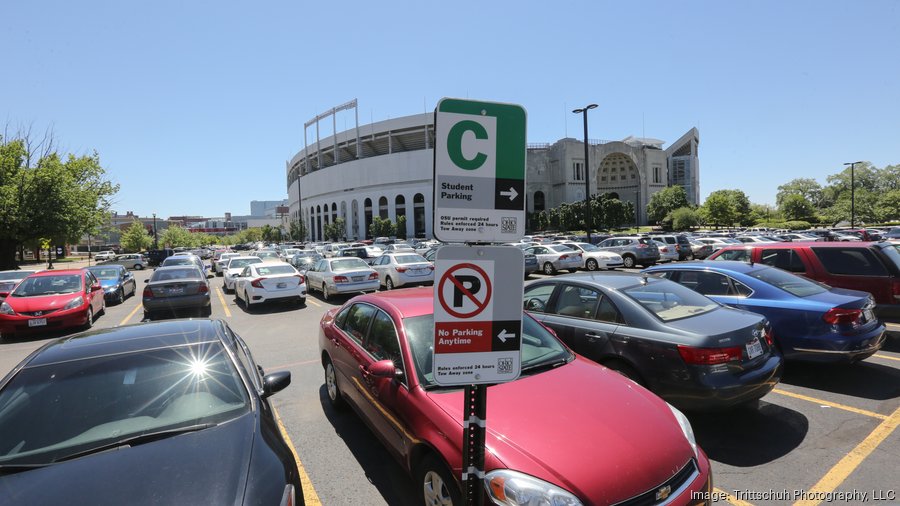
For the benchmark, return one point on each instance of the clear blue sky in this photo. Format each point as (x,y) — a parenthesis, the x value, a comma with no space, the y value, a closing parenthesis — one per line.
(195,106)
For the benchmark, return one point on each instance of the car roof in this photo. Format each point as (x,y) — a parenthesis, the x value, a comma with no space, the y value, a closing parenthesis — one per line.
(721,265)
(614,280)
(408,302)
(126,339)
(795,244)
(57,272)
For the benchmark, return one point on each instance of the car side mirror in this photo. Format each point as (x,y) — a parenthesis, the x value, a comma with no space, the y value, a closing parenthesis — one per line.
(96,286)
(384,369)
(275,382)
(146,280)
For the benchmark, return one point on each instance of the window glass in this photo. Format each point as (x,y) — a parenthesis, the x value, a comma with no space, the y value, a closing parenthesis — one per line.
(382,342)
(537,298)
(791,283)
(409,259)
(707,283)
(341,318)
(358,321)
(669,301)
(850,261)
(577,301)
(170,274)
(348,264)
(740,289)
(740,255)
(785,259)
(607,312)
(272,269)
(243,355)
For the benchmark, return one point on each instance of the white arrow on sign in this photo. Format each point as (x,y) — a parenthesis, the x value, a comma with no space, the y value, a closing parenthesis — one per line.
(512,194)
(503,335)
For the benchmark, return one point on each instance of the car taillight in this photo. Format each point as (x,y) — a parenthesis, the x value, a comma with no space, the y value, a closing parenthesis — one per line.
(664,249)
(839,316)
(896,289)
(372,276)
(401,269)
(563,257)
(341,279)
(257,283)
(300,277)
(203,288)
(677,247)
(148,293)
(709,356)
(769,338)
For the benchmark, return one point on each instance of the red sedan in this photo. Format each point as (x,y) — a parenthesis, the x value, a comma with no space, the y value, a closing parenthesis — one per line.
(52,300)
(568,431)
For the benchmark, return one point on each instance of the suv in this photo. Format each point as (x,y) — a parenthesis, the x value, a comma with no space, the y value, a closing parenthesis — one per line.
(105,255)
(156,256)
(634,250)
(680,242)
(872,267)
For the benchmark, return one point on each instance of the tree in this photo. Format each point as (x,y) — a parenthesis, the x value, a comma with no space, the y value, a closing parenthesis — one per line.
(176,237)
(888,207)
(297,230)
(381,227)
(336,230)
(665,201)
(136,237)
(719,208)
(807,188)
(401,226)
(685,218)
(796,207)
(47,196)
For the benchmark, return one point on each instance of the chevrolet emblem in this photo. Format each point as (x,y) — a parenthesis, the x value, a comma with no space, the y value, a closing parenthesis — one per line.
(663,493)
(38,313)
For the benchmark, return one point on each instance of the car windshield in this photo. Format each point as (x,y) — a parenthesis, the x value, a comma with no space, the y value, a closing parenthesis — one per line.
(409,259)
(790,283)
(105,273)
(587,246)
(270,270)
(170,274)
(560,248)
(240,263)
(48,285)
(56,411)
(668,300)
(15,274)
(539,347)
(348,264)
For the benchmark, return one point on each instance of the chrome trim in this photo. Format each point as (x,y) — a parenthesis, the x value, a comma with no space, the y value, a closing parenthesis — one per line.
(874,347)
(675,493)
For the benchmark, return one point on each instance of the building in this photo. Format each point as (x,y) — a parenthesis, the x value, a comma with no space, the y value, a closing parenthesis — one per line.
(386,168)
(266,208)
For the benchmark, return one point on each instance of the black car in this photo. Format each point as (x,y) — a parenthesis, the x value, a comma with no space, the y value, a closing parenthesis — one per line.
(156,256)
(158,413)
(116,281)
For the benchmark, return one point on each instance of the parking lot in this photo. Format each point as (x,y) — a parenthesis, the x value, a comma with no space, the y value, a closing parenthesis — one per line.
(826,434)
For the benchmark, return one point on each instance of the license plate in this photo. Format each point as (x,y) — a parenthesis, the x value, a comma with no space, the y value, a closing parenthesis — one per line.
(754,349)
(356,278)
(37,322)
(868,315)
(281,285)
(176,291)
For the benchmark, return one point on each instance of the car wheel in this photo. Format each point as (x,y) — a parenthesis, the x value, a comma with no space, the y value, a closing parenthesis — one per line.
(625,370)
(388,283)
(90,319)
(102,308)
(325,293)
(247,302)
(591,265)
(573,270)
(628,261)
(138,267)
(335,398)
(225,288)
(438,486)
(120,296)
(549,269)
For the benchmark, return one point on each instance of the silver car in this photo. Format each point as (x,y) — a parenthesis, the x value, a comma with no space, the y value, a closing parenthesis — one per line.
(634,250)
(403,269)
(667,252)
(129,261)
(553,258)
(341,275)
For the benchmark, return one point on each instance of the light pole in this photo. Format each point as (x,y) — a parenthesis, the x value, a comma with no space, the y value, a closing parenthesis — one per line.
(587,171)
(852,194)
(155,235)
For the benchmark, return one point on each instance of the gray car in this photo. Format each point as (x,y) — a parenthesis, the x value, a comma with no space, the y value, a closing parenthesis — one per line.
(553,258)
(634,250)
(341,275)
(129,261)
(177,288)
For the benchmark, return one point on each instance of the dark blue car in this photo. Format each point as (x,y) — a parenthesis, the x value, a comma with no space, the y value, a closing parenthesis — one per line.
(810,321)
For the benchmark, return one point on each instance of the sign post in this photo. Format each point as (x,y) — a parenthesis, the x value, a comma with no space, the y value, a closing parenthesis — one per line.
(479,198)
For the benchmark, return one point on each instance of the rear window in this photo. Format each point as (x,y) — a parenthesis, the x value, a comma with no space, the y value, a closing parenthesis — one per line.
(670,301)
(740,255)
(786,259)
(850,261)
(892,251)
(269,270)
(409,259)
(170,274)
(790,283)
(346,264)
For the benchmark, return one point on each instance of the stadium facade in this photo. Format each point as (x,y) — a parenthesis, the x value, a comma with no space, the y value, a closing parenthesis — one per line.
(385,169)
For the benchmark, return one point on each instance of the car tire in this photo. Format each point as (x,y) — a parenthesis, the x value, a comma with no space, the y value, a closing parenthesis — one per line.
(436,482)
(628,261)
(90,319)
(591,264)
(573,270)
(225,288)
(335,397)
(549,269)
(326,295)
(120,296)
(102,308)
(388,283)
(625,370)
(247,303)
(138,267)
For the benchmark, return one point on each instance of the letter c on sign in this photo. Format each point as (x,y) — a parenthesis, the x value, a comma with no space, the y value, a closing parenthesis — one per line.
(454,144)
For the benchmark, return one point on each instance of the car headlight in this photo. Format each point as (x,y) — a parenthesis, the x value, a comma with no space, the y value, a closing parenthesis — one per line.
(77,301)
(6,309)
(512,488)
(685,428)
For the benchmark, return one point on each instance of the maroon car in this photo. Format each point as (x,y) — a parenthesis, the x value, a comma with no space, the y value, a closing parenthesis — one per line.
(568,430)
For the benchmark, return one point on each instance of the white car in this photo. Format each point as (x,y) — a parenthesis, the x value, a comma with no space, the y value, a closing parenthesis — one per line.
(236,266)
(267,281)
(105,255)
(403,269)
(667,252)
(222,263)
(341,275)
(596,258)
(332,249)
(267,255)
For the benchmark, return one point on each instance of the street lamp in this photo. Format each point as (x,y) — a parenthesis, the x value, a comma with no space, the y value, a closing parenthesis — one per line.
(155,235)
(587,171)
(852,194)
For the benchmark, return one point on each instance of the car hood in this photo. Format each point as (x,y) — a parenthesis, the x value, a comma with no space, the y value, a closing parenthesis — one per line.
(109,283)
(45,303)
(205,467)
(584,428)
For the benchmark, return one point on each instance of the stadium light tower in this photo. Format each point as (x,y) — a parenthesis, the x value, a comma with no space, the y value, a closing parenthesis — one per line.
(587,171)
(852,194)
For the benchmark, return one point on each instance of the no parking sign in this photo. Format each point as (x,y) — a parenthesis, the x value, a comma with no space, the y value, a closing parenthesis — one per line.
(477,314)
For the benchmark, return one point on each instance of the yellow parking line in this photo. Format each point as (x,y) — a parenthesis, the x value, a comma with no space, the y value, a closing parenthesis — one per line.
(837,474)
(879,355)
(730,498)
(310,497)
(831,404)
(133,311)
(222,300)
(314,303)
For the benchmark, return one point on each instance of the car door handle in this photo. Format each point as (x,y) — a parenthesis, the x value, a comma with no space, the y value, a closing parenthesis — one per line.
(592,335)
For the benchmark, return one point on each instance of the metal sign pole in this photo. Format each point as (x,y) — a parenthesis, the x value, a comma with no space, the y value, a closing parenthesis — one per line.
(473,445)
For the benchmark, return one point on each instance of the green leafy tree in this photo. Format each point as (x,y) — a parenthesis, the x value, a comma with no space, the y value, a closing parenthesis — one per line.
(176,236)
(381,227)
(797,207)
(663,202)
(335,231)
(401,226)
(136,238)
(685,218)
(45,195)
(807,188)
(888,207)
(297,230)
(719,208)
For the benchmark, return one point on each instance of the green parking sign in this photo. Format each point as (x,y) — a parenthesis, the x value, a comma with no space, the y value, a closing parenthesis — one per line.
(479,171)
